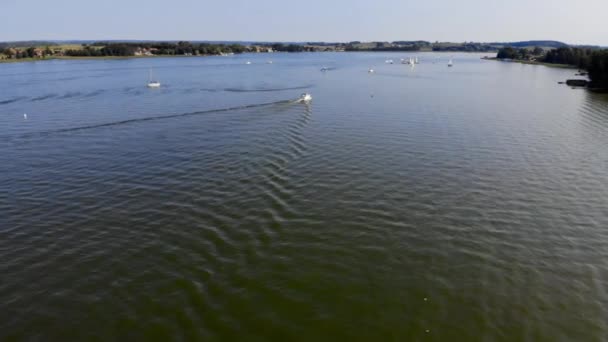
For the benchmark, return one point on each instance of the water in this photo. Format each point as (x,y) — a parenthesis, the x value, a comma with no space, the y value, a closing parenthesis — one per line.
(465,203)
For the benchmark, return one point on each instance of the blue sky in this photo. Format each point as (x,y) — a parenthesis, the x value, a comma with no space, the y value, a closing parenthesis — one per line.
(580,21)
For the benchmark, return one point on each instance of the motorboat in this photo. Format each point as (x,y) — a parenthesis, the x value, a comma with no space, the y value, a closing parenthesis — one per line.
(305,98)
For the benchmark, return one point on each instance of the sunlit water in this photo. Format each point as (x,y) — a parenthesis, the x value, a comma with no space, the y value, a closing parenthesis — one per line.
(466,203)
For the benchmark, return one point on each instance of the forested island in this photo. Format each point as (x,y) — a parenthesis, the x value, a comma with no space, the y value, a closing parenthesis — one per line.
(593,60)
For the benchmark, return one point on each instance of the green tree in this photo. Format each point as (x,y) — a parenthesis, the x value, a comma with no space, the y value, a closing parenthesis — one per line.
(507,53)
(31,52)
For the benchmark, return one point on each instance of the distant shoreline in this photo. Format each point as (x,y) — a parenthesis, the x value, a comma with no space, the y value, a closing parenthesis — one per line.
(77,58)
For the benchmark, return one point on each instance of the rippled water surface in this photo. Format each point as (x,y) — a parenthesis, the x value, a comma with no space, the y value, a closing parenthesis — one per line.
(466,203)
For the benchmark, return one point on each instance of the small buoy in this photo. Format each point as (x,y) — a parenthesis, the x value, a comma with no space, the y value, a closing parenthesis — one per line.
(24,116)
(428,331)
(426,299)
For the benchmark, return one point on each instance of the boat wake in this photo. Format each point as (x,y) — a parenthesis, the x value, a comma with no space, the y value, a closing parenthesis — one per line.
(151,118)
(13,100)
(241,90)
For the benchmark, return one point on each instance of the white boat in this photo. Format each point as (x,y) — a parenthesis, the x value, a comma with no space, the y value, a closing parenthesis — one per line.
(389,61)
(305,98)
(371,71)
(450,63)
(248,62)
(416,60)
(152,83)
(409,61)
(270,62)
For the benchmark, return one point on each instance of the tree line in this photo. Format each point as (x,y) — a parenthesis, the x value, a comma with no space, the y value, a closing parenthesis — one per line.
(510,52)
(126,49)
(181,48)
(595,61)
(30,52)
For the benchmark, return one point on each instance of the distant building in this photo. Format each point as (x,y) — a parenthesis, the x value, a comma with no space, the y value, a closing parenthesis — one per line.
(11,53)
(144,52)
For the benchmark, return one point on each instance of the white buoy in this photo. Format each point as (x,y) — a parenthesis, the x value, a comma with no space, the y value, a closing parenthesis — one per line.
(24,116)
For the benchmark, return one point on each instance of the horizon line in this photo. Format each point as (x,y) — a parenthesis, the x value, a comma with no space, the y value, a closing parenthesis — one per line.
(296,41)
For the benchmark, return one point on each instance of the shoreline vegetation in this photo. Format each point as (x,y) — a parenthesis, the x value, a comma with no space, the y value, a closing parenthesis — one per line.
(591,62)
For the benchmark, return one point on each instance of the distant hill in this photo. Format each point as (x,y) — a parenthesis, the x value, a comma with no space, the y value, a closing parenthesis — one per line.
(533,43)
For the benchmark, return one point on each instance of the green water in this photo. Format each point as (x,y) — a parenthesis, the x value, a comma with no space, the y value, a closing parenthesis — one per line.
(427,204)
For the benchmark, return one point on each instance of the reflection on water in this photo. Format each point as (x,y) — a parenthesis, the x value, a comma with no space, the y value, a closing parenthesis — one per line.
(464,203)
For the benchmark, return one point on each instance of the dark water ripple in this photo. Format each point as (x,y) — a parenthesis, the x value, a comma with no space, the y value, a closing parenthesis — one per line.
(241,90)
(12,100)
(43,97)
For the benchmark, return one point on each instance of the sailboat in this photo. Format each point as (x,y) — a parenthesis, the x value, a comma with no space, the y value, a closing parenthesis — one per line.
(450,63)
(151,83)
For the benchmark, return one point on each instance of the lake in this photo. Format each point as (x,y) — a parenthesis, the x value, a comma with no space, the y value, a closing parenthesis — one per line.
(409,204)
